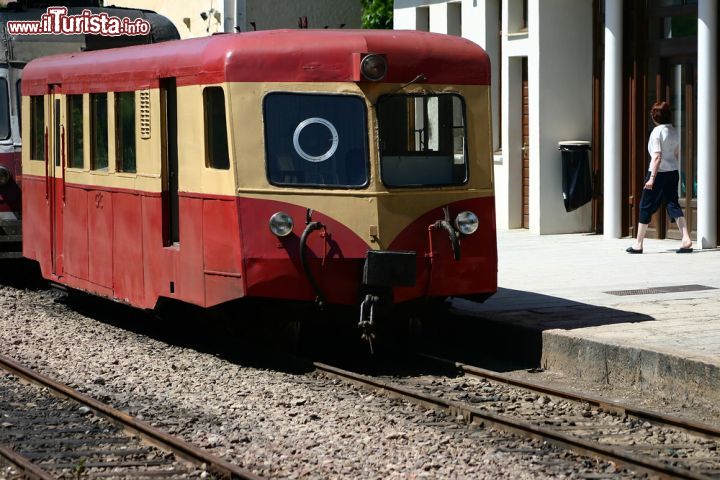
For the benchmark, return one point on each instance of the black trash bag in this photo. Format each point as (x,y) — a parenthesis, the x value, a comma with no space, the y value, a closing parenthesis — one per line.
(577,188)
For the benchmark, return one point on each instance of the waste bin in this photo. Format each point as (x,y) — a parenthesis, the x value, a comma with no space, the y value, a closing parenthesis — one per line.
(577,186)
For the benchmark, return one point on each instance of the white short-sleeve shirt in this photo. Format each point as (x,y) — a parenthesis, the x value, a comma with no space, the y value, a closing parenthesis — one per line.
(664,139)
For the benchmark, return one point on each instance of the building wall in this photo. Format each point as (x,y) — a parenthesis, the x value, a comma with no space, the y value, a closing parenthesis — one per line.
(284,14)
(476,20)
(185,14)
(225,15)
(560,105)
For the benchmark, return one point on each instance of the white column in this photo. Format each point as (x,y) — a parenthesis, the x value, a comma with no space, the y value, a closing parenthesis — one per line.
(439,18)
(707,124)
(612,131)
(404,19)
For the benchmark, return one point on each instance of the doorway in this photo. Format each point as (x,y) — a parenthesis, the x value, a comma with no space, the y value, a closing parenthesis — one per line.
(677,85)
(525,147)
(663,63)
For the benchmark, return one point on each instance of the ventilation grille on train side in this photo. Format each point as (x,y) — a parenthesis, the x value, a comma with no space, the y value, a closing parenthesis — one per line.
(145,114)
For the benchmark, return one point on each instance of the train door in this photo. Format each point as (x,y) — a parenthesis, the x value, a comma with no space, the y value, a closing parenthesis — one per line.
(55,171)
(171,213)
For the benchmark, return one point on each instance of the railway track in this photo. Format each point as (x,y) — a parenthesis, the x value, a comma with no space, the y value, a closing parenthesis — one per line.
(56,432)
(641,441)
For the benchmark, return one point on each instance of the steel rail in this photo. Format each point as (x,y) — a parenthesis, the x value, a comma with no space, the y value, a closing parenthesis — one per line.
(660,419)
(512,425)
(29,469)
(150,434)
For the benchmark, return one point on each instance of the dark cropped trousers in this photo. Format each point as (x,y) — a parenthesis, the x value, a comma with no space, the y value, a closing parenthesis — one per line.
(665,190)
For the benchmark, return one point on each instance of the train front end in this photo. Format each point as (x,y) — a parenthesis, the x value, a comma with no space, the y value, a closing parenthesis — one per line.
(377,186)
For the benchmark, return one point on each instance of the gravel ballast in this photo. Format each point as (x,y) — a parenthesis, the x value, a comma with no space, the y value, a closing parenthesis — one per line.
(272,421)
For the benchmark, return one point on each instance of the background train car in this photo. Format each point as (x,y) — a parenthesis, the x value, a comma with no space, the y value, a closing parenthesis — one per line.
(300,165)
(15,52)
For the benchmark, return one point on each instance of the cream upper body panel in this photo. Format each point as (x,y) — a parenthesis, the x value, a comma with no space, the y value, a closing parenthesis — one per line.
(147,177)
(150,145)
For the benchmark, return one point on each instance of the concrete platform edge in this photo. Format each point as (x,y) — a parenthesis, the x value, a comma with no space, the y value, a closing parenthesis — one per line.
(604,363)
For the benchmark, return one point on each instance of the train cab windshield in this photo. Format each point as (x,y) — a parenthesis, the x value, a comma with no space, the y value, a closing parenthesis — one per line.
(316,140)
(422,140)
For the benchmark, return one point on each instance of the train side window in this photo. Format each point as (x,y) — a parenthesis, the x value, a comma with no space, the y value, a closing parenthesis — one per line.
(75,131)
(216,143)
(37,128)
(125,132)
(4,109)
(98,131)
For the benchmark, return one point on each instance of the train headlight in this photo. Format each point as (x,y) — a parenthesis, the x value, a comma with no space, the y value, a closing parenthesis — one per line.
(467,223)
(373,67)
(4,176)
(281,224)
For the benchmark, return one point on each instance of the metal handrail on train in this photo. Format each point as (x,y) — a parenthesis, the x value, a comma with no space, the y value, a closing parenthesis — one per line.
(311,227)
(454,240)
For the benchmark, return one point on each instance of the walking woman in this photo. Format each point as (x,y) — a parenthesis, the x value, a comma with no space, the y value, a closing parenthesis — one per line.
(661,180)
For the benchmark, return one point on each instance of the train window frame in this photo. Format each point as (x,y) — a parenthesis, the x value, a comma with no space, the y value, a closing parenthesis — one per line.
(466,159)
(216,157)
(37,128)
(75,149)
(5,116)
(125,129)
(99,125)
(340,186)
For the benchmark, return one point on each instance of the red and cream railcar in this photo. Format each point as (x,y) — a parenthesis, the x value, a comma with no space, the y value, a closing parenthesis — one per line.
(281,164)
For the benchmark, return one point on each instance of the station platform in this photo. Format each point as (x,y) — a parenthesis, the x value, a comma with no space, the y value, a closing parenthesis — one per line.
(590,310)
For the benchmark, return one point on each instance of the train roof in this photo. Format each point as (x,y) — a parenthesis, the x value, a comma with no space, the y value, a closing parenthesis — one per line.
(265,56)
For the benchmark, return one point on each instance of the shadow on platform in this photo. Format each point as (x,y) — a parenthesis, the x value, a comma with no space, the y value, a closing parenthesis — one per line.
(506,332)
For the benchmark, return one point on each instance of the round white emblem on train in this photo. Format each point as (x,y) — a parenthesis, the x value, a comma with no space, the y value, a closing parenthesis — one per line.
(313,158)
